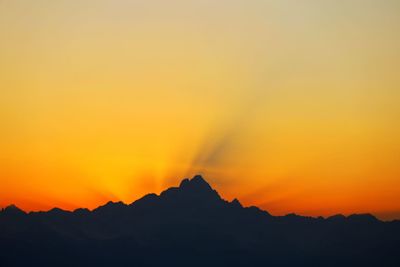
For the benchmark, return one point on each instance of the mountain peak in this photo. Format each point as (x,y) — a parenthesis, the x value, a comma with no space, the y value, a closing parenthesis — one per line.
(198,226)
(366,217)
(235,203)
(184,182)
(197,182)
(195,190)
(199,179)
(12,209)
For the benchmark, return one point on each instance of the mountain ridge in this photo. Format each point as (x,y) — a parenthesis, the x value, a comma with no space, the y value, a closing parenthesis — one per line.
(191,225)
(195,185)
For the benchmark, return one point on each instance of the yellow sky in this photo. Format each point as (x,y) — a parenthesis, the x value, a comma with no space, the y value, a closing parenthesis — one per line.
(290,105)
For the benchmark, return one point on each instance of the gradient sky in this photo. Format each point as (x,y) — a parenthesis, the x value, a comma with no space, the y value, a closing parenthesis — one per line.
(293,106)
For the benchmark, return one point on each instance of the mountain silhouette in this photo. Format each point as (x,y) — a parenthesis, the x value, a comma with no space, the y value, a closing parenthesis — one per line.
(191,225)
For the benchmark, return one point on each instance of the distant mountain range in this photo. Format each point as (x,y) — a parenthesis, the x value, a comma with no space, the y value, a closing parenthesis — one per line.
(191,225)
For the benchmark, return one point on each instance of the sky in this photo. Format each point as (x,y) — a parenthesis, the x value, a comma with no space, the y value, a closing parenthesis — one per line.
(289,105)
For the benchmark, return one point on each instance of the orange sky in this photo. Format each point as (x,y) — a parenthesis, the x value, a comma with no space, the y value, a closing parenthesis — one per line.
(289,105)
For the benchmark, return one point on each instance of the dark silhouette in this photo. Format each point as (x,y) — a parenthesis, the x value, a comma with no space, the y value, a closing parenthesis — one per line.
(191,225)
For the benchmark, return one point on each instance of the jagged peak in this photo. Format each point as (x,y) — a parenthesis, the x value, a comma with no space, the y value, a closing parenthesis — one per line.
(13,209)
(236,203)
(197,182)
(198,179)
(184,182)
(196,189)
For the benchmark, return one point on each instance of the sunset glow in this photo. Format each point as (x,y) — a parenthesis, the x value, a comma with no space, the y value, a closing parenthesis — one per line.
(292,106)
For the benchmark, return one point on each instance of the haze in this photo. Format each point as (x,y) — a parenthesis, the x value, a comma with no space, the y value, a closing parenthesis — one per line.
(292,106)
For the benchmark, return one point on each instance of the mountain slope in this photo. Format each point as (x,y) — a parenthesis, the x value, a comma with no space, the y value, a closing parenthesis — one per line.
(191,225)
